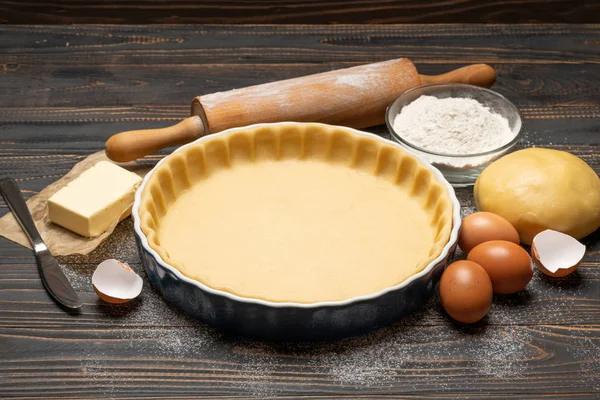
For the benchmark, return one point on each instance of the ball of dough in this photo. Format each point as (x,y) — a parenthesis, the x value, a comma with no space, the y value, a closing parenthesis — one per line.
(538,189)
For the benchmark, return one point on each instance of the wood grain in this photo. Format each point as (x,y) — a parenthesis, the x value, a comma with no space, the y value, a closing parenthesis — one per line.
(59,103)
(343,44)
(295,12)
(534,360)
(554,89)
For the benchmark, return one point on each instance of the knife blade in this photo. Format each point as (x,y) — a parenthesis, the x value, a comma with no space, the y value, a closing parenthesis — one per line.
(54,280)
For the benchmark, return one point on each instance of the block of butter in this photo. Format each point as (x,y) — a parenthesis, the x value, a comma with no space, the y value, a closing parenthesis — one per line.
(95,199)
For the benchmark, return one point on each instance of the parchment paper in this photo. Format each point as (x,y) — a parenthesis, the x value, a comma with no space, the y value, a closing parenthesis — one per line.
(59,240)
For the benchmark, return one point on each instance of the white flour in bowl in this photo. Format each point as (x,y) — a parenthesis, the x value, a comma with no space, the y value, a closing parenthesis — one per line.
(453,125)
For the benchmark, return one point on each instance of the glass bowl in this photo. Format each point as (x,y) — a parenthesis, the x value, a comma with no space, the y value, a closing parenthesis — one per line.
(459,169)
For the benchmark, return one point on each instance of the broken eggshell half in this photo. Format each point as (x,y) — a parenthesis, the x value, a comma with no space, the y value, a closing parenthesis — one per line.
(115,282)
(556,254)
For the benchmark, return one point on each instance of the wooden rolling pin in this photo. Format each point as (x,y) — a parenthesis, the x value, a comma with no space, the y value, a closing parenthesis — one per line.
(356,97)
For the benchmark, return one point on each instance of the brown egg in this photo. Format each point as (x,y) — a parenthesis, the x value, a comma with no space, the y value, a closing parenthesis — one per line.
(508,265)
(482,227)
(466,291)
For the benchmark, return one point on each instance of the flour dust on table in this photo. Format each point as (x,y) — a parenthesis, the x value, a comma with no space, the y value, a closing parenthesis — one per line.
(372,360)
(375,359)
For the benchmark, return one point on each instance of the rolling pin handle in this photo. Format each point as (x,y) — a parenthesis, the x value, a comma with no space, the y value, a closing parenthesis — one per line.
(131,145)
(478,74)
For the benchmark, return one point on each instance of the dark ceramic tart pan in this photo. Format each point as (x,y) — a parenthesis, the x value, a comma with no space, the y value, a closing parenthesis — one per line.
(294,320)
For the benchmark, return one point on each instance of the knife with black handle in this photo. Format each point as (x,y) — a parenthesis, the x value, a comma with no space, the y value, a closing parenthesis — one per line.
(54,280)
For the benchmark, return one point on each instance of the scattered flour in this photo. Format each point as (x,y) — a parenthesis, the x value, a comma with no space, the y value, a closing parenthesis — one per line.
(419,349)
(376,360)
(453,125)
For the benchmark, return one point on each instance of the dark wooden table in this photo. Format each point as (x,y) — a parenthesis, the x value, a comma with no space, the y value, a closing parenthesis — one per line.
(297,11)
(65,89)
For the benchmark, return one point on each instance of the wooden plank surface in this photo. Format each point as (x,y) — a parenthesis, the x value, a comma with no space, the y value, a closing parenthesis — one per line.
(296,12)
(65,89)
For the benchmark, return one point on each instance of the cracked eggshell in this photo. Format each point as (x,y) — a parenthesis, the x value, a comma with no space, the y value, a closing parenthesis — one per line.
(115,282)
(556,254)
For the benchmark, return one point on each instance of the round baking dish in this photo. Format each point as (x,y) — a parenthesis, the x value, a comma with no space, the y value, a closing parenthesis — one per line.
(289,320)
